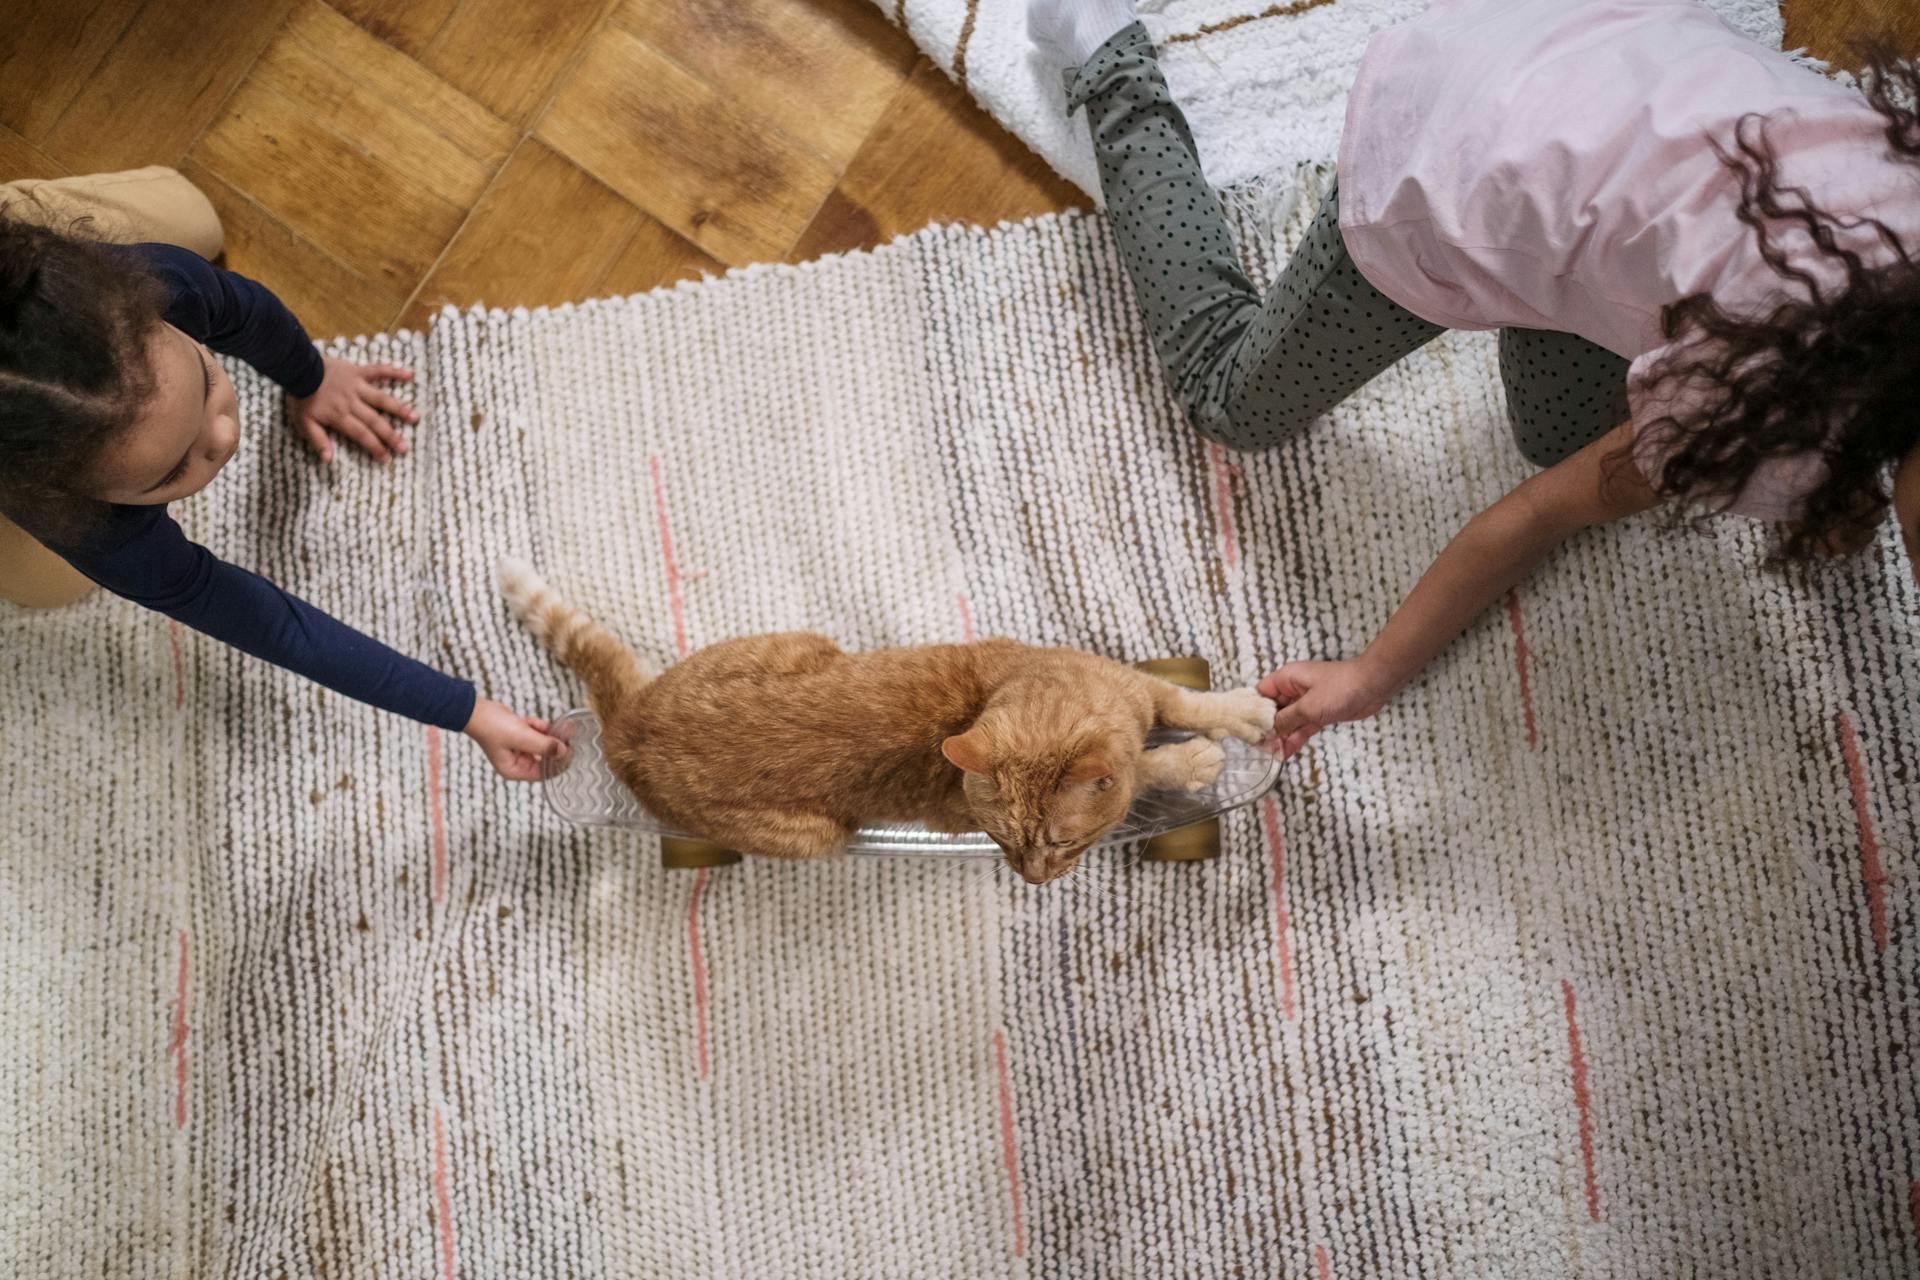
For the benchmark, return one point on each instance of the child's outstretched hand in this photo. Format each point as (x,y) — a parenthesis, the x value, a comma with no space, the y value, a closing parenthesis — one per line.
(1313,695)
(347,403)
(515,744)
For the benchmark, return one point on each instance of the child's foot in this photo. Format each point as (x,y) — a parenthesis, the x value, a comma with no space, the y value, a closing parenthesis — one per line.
(1068,32)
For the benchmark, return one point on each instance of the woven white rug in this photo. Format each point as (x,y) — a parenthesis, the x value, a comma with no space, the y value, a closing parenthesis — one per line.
(1263,83)
(1593,955)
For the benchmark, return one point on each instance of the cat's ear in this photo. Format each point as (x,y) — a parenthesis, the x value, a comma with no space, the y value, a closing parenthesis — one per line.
(1096,769)
(966,751)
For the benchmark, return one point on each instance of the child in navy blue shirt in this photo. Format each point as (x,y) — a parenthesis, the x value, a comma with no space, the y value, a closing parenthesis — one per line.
(112,406)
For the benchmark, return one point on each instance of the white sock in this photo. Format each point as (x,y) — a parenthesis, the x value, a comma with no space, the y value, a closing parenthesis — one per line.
(1068,31)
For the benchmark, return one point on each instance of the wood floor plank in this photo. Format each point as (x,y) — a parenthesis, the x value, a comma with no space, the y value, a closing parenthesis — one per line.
(21,159)
(167,75)
(821,71)
(407,25)
(379,220)
(329,298)
(655,256)
(47,52)
(935,157)
(377,99)
(507,54)
(1830,29)
(356,148)
(680,149)
(546,232)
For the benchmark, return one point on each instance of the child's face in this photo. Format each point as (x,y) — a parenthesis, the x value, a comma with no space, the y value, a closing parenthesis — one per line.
(187,431)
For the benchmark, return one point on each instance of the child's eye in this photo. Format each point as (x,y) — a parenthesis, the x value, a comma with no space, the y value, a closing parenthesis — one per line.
(177,472)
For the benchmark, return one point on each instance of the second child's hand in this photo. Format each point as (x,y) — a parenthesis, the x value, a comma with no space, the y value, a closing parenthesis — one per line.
(348,403)
(1496,549)
(1313,695)
(514,744)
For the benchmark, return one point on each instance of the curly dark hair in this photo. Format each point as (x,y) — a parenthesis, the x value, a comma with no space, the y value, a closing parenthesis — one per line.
(1833,372)
(75,317)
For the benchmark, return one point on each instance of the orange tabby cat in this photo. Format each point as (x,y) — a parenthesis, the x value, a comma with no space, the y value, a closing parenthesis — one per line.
(783,745)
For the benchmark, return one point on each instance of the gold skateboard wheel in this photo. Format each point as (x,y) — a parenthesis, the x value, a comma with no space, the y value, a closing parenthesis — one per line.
(1200,841)
(1196,843)
(1188,673)
(684,853)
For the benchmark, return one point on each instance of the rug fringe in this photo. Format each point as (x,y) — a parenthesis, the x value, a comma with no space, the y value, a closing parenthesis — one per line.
(1269,202)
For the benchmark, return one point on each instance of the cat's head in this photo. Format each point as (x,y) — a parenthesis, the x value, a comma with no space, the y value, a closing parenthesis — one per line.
(1044,795)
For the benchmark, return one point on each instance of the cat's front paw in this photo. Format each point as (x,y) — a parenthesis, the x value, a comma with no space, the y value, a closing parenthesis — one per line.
(1245,715)
(1196,764)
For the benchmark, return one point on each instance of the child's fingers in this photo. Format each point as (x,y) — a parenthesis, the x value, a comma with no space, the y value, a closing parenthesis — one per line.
(532,737)
(373,432)
(1290,746)
(550,747)
(388,404)
(396,372)
(1290,720)
(362,439)
(517,766)
(382,427)
(1284,685)
(316,437)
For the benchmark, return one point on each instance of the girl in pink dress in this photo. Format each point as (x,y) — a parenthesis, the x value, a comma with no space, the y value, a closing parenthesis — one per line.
(1699,256)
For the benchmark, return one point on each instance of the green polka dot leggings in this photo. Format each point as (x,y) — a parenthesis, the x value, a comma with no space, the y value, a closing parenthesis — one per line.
(1251,372)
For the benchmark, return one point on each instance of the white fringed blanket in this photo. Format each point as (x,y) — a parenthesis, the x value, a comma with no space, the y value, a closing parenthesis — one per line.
(1595,954)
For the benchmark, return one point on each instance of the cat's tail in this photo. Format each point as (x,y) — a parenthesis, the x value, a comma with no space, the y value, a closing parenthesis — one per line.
(613,673)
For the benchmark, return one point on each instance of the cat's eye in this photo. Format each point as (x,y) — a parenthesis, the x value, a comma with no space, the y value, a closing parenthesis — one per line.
(1103,784)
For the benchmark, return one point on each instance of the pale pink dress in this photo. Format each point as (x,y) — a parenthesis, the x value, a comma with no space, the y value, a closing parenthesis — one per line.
(1545,163)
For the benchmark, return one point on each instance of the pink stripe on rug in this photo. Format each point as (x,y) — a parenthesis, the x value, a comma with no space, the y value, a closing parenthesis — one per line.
(674,601)
(699,966)
(437,813)
(1270,819)
(442,1197)
(1520,656)
(179,665)
(1007,1149)
(966,617)
(1873,873)
(1321,1263)
(1223,502)
(177,1045)
(1582,1103)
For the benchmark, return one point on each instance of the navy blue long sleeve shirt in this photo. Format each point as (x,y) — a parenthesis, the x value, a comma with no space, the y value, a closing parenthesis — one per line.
(141,554)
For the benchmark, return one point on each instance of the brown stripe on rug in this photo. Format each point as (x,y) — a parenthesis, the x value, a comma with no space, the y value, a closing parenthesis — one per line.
(1293,9)
(966,34)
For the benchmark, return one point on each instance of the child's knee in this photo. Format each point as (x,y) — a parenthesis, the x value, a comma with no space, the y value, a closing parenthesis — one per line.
(1540,453)
(1544,444)
(1244,429)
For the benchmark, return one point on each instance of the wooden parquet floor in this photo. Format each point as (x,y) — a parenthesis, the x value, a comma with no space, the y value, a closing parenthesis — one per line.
(372,159)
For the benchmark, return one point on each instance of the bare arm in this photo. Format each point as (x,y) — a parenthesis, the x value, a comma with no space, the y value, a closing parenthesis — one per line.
(1496,549)
(1906,506)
